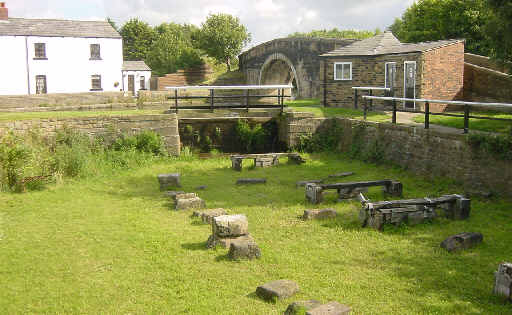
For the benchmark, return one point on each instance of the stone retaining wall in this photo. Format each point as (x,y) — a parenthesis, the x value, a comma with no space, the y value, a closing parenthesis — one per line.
(63,99)
(165,125)
(422,151)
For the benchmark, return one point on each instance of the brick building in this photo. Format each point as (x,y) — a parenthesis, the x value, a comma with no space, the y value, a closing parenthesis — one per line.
(432,70)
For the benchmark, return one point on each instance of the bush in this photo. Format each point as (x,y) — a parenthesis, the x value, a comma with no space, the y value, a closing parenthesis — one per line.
(251,139)
(146,141)
(327,139)
(14,155)
(497,145)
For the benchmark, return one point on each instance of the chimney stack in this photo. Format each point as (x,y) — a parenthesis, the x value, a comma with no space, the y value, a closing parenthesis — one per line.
(4,12)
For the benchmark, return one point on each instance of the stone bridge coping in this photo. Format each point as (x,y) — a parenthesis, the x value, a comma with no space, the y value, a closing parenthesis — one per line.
(229,87)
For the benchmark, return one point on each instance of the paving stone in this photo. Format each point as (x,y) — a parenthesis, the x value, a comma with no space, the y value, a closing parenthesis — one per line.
(169,180)
(225,242)
(462,241)
(230,225)
(331,308)
(243,249)
(278,289)
(245,181)
(319,214)
(300,307)
(189,203)
(503,281)
(337,175)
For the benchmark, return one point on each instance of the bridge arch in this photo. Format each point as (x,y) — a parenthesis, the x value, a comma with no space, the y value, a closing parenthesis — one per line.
(278,69)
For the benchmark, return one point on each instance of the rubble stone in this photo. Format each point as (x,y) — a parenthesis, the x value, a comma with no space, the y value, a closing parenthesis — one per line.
(242,181)
(503,281)
(279,289)
(225,242)
(244,250)
(331,308)
(230,225)
(462,241)
(300,307)
(319,214)
(169,180)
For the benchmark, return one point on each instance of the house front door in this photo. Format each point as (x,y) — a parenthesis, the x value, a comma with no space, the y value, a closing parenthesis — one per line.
(410,83)
(131,83)
(41,84)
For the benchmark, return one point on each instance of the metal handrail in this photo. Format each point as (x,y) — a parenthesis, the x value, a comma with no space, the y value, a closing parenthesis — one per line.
(370,90)
(229,87)
(466,116)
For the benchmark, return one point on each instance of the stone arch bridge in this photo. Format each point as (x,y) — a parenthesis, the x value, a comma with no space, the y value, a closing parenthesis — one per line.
(289,61)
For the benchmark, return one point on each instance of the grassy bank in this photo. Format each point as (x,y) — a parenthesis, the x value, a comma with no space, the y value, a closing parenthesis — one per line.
(313,106)
(475,124)
(112,244)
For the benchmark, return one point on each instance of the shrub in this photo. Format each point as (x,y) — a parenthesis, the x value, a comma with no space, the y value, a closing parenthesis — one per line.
(326,139)
(146,141)
(251,139)
(14,155)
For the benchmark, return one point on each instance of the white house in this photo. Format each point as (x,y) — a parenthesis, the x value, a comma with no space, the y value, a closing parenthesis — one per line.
(136,76)
(40,56)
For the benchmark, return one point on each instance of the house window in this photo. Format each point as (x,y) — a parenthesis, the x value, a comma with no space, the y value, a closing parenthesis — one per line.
(142,83)
(41,84)
(390,75)
(343,71)
(40,51)
(95,52)
(96,82)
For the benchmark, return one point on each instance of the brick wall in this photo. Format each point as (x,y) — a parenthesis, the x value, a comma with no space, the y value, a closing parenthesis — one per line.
(165,125)
(486,85)
(443,75)
(423,151)
(185,77)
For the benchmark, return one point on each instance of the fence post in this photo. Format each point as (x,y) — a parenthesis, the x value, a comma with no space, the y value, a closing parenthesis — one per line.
(427,115)
(247,100)
(211,100)
(176,100)
(365,109)
(355,98)
(466,118)
(393,118)
(371,101)
(282,100)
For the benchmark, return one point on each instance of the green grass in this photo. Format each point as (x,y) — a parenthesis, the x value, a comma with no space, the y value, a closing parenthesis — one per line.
(112,244)
(313,106)
(475,124)
(73,114)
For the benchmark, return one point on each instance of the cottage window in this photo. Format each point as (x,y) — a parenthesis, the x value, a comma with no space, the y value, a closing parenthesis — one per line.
(96,82)
(343,71)
(142,83)
(41,84)
(390,75)
(40,50)
(95,52)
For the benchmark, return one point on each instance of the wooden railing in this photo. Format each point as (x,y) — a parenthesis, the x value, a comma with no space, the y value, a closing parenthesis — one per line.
(467,106)
(246,96)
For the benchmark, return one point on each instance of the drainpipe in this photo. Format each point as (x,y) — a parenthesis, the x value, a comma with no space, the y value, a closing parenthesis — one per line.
(28,68)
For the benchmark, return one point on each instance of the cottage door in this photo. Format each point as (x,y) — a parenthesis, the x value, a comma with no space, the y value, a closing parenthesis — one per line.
(410,83)
(131,83)
(40,84)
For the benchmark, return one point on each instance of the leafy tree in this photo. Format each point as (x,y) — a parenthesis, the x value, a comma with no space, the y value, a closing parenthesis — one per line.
(499,29)
(138,37)
(428,20)
(112,23)
(223,37)
(336,33)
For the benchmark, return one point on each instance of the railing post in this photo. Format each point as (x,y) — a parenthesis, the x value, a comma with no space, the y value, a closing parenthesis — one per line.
(355,98)
(211,100)
(427,115)
(282,100)
(365,109)
(176,100)
(246,93)
(371,101)
(393,118)
(466,118)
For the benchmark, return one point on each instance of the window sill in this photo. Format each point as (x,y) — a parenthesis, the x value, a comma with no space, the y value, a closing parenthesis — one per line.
(95,59)
(342,79)
(94,90)
(40,58)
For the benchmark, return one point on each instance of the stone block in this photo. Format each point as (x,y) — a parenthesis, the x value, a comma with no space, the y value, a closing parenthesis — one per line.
(173,193)
(503,281)
(348,193)
(395,188)
(314,193)
(331,308)
(300,307)
(225,242)
(185,196)
(265,161)
(189,203)
(208,215)
(230,225)
(338,175)
(236,163)
(303,183)
(247,181)
(277,290)
(169,180)
(462,241)
(243,250)
(319,214)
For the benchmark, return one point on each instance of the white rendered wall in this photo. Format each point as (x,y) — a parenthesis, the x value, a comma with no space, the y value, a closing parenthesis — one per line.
(137,75)
(13,74)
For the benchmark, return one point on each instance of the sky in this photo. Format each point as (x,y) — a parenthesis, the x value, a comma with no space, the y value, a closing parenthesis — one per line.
(264,19)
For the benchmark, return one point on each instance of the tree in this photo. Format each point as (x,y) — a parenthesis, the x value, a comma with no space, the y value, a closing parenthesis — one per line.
(138,37)
(336,33)
(428,20)
(112,23)
(223,37)
(499,29)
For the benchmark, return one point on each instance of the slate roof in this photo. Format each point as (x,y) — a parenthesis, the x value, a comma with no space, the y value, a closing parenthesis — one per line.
(135,66)
(57,28)
(384,44)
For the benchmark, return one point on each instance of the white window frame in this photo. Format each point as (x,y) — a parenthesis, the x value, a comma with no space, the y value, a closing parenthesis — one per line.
(405,79)
(386,72)
(343,66)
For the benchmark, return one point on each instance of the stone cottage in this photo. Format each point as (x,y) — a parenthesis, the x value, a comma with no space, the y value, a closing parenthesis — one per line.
(431,70)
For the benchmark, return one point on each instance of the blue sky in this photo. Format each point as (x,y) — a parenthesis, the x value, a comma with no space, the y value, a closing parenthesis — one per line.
(265,19)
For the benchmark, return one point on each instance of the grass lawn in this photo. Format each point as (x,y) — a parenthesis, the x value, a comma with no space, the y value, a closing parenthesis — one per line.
(313,106)
(73,114)
(476,124)
(112,244)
